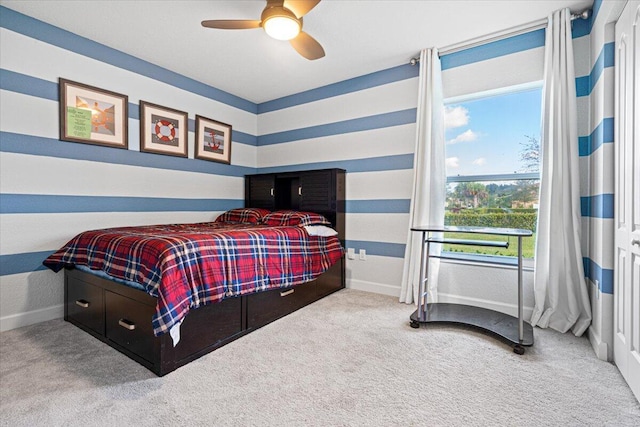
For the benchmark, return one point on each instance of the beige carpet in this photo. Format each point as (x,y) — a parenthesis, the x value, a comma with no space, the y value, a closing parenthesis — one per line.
(349,359)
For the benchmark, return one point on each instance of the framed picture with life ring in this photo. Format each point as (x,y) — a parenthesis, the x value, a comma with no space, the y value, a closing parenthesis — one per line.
(163,130)
(213,140)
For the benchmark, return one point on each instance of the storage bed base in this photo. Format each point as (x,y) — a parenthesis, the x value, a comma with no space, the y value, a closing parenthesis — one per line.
(121,316)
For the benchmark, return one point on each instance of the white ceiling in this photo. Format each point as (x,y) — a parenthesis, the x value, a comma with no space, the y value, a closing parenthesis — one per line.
(359,37)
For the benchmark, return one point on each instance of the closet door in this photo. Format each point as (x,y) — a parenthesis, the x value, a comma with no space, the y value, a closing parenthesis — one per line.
(317,191)
(259,191)
(626,293)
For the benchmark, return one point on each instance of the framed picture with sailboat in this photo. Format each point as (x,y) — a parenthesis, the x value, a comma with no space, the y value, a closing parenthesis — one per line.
(92,115)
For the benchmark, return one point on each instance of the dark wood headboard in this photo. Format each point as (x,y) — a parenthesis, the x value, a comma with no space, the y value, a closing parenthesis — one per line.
(321,191)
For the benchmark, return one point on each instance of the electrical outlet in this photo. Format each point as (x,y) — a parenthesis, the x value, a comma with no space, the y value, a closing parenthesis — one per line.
(351,253)
(363,255)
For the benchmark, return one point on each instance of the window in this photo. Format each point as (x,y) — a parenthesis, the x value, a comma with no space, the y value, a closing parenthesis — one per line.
(492,162)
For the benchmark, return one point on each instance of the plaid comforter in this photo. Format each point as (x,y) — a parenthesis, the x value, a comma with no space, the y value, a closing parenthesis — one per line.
(189,265)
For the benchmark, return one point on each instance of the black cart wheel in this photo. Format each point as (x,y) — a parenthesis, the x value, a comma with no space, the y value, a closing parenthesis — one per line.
(414,324)
(518,349)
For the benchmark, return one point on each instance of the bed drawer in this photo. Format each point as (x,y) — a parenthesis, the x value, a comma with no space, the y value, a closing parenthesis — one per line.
(222,321)
(265,307)
(128,323)
(85,305)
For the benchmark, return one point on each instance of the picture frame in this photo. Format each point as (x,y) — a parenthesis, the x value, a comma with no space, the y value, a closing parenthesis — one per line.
(91,115)
(213,140)
(163,130)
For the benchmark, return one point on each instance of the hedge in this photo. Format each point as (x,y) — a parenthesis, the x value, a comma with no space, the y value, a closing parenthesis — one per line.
(499,210)
(526,221)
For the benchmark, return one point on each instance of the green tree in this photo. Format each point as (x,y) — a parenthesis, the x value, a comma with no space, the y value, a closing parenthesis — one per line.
(526,191)
(471,191)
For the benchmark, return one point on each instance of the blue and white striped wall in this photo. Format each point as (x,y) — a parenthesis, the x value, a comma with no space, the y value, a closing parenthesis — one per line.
(366,125)
(596,90)
(50,190)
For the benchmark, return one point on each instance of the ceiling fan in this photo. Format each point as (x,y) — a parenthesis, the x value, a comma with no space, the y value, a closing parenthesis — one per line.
(282,20)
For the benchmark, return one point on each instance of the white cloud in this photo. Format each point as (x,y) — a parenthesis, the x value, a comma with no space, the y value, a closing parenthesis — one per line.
(452,162)
(466,136)
(479,161)
(454,117)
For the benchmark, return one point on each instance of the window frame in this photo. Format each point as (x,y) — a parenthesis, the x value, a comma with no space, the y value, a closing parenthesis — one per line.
(485,259)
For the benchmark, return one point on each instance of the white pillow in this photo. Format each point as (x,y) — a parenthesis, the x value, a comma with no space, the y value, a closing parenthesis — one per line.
(320,230)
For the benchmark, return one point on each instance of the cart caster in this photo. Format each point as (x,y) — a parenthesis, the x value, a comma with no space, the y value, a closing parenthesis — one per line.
(518,349)
(414,324)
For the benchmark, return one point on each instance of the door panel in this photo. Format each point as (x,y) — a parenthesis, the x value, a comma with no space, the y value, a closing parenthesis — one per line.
(626,340)
(317,192)
(259,191)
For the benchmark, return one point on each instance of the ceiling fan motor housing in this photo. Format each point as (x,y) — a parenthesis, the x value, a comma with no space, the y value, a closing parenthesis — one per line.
(280,23)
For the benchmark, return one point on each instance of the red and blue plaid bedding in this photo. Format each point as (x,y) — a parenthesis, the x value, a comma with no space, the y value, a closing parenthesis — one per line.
(189,265)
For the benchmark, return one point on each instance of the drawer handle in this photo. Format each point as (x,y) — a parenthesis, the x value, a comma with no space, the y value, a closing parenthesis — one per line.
(127,324)
(285,293)
(82,303)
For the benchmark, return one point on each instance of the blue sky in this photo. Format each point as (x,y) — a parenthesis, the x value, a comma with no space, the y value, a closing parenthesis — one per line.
(483,136)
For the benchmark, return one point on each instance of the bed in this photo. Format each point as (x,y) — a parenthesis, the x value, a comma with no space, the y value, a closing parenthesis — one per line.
(165,295)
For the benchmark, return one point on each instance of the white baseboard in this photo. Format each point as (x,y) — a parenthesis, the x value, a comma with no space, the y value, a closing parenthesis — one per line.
(599,347)
(30,317)
(376,288)
(394,291)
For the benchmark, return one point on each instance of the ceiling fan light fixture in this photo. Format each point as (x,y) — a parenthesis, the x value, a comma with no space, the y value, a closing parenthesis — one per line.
(281,20)
(281,24)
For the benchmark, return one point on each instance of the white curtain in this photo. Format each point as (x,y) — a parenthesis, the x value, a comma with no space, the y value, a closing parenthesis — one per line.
(561,296)
(428,196)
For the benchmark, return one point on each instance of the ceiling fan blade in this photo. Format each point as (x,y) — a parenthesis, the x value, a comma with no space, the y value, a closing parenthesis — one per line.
(232,24)
(307,46)
(300,7)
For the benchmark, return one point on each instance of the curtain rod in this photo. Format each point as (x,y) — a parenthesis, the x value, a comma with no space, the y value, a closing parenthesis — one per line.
(500,35)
